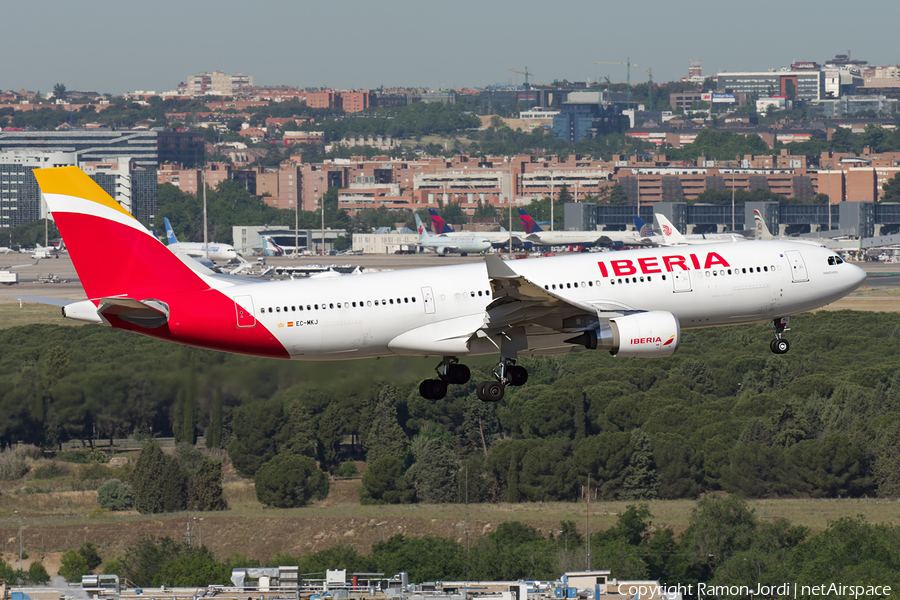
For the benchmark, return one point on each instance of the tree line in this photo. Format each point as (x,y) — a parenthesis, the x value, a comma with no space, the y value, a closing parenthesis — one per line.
(725,543)
(722,414)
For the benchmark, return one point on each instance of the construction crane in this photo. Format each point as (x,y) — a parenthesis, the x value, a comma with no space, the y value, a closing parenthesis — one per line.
(628,64)
(525,73)
(649,73)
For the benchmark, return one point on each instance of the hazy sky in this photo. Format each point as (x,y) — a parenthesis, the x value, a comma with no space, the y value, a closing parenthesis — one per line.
(128,45)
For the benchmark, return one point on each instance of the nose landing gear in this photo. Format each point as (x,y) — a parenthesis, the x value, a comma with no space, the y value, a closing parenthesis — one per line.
(780,345)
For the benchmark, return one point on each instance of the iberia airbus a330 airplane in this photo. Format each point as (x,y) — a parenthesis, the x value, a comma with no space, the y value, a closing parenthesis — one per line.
(631,304)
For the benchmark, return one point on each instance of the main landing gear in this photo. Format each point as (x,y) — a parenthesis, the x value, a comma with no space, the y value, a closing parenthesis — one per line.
(506,373)
(449,371)
(780,345)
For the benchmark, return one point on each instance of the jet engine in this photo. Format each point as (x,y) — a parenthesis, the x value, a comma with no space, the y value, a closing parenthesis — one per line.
(642,335)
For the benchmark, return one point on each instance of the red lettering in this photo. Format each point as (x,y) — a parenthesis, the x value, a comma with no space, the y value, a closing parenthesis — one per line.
(714,259)
(649,265)
(603,269)
(694,261)
(623,267)
(671,261)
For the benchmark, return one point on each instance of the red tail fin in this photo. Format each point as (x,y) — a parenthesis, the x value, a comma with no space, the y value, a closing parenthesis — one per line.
(113,253)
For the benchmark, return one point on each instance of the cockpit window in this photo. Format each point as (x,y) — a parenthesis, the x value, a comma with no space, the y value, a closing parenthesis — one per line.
(835,260)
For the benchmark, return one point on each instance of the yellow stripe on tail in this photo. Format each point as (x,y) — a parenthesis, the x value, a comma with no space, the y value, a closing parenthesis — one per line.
(72,181)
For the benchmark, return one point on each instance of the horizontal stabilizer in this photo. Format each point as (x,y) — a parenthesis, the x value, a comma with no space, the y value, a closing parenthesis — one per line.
(143,313)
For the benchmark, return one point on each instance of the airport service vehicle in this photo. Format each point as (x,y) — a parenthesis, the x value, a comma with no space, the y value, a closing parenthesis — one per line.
(612,239)
(631,304)
(221,252)
(441,244)
(9,278)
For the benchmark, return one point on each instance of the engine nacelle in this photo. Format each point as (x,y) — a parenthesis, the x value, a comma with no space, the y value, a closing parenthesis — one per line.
(643,335)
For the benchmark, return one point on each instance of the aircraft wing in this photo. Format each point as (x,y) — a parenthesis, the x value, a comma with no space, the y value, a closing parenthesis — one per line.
(521,302)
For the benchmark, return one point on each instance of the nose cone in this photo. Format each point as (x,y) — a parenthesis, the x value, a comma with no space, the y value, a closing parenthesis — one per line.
(855,277)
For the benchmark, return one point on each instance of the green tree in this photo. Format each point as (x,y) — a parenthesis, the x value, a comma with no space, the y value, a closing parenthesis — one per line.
(384,482)
(434,473)
(173,487)
(289,481)
(37,574)
(205,491)
(891,189)
(257,432)
(113,494)
(718,528)
(149,474)
(383,436)
(213,435)
(59,91)
(73,566)
(641,480)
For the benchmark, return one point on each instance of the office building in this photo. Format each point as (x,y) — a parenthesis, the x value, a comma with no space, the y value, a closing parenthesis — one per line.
(795,84)
(147,148)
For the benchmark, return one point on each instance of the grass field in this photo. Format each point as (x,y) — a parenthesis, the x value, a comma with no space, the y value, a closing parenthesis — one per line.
(59,521)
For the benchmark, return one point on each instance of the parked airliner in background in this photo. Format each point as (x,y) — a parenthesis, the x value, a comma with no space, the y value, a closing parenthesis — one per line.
(498,239)
(441,244)
(672,237)
(40,252)
(632,304)
(217,252)
(614,239)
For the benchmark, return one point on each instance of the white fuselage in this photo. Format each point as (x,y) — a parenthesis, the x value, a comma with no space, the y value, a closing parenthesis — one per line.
(217,252)
(496,238)
(463,244)
(575,238)
(437,310)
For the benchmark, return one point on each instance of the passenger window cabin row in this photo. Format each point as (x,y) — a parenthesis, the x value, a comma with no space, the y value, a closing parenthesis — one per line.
(335,305)
(832,260)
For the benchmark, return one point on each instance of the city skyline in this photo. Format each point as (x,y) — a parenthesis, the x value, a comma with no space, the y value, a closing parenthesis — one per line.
(355,44)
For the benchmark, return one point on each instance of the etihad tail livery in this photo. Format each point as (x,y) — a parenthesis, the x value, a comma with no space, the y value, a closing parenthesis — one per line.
(217,251)
(632,304)
(442,244)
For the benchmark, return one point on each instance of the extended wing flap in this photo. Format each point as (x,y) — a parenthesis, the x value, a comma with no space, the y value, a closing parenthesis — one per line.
(520,301)
(143,313)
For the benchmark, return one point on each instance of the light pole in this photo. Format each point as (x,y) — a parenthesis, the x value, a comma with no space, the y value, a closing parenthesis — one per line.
(20,539)
(566,537)
(758,568)
(382,529)
(199,531)
(732,200)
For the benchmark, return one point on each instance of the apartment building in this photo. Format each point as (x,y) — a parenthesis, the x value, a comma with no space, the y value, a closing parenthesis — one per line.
(217,83)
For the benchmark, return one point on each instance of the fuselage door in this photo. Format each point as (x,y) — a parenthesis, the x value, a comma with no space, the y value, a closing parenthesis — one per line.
(243,306)
(798,267)
(681,280)
(428,299)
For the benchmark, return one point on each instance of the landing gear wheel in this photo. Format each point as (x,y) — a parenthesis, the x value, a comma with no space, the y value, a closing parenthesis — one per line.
(433,389)
(490,391)
(458,374)
(780,346)
(517,375)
